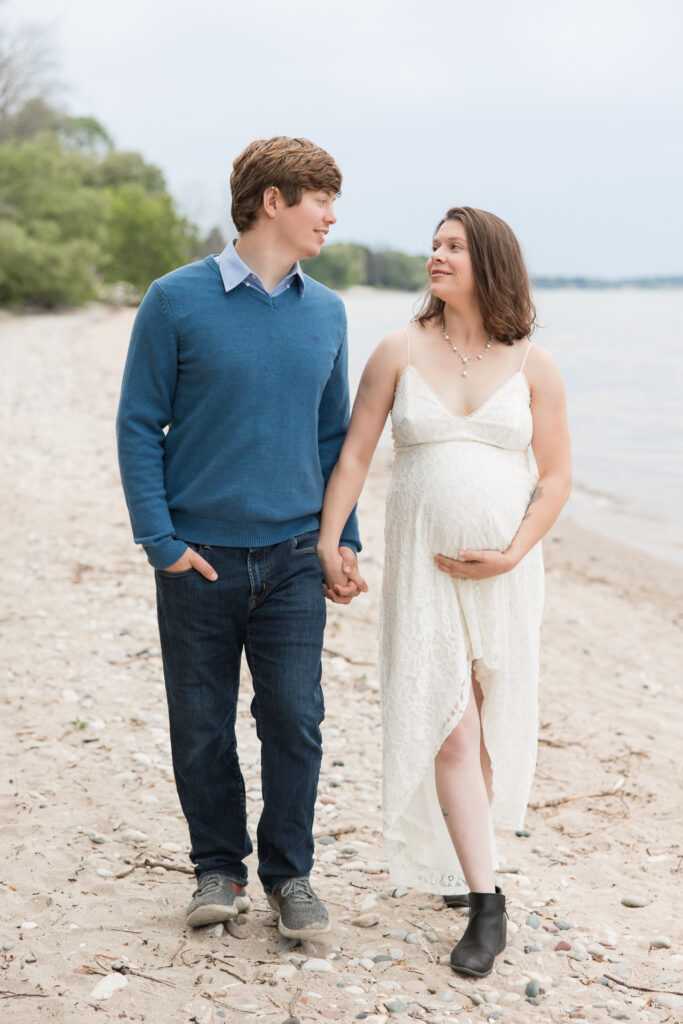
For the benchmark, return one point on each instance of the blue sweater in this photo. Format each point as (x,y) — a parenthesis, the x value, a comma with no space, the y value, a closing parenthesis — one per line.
(254,393)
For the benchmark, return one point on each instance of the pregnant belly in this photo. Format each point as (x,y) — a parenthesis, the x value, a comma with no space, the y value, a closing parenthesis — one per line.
(460,495)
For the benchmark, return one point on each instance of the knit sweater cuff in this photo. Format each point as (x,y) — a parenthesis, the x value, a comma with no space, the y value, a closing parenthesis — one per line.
(165,552)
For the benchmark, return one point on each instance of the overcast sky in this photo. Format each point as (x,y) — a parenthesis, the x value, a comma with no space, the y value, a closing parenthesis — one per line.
(565,118)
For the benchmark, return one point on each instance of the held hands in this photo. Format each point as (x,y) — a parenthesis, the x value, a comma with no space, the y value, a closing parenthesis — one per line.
(191,559)
(342,580)
(476,565)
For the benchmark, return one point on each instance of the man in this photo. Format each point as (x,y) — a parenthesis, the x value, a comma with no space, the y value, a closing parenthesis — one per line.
(243,358)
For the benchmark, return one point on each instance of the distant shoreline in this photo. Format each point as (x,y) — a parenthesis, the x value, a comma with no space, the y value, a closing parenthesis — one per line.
(599,283)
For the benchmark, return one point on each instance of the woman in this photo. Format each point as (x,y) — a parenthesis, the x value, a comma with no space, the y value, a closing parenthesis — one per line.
(463,578)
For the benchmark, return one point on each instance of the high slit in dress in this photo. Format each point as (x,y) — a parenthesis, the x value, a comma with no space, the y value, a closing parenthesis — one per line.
(457,482)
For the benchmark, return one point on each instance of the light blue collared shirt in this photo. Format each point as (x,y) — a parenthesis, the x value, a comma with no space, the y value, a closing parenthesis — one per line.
(234,271)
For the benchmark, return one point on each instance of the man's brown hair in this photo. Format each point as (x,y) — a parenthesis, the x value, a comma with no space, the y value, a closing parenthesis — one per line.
(291,165)
(501,280)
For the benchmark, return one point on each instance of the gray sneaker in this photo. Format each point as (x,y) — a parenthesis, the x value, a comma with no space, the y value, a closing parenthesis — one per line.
(213,900)
(302,914)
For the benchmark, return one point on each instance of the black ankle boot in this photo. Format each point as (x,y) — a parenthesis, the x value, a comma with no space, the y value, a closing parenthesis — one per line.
(462,899)
(484,936)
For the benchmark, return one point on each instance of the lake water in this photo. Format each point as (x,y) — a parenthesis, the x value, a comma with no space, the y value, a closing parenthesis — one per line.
(621,355)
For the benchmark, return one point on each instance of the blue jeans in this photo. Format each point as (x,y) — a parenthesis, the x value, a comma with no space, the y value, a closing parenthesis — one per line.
(269,602)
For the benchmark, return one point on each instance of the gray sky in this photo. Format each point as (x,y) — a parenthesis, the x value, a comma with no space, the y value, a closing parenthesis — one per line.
(562,117)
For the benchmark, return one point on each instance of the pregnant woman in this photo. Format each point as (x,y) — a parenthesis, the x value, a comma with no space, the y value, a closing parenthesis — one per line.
(463,577)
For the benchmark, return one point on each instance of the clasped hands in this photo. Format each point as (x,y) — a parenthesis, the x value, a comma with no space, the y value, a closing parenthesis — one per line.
(341,579)
(476,565)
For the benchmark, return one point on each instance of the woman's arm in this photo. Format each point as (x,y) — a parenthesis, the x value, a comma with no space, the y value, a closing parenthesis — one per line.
(373,403)
(551,447)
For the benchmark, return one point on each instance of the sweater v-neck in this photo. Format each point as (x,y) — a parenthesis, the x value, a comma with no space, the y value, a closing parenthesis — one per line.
(245,287)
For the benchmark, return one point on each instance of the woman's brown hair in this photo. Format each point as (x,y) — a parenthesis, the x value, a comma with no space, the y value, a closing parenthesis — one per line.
(501,280)
(289,164)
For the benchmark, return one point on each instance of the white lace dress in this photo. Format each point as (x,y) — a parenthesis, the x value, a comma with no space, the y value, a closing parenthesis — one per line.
(458,481)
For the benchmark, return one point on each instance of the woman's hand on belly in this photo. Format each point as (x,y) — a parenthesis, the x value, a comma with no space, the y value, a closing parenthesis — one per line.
(476,565)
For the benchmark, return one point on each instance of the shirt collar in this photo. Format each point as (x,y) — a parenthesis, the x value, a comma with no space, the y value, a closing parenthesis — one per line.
(235,271)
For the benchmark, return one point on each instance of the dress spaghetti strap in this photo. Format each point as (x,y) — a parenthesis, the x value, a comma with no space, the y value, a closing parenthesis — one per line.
(408,341)
(525,357)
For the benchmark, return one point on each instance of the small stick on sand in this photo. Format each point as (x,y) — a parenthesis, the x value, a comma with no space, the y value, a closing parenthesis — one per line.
(6,994)
(293,1001)
(642,988)
(147,863)
(578,796)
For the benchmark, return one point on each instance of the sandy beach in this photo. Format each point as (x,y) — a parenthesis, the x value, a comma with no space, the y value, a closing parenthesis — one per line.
(94,873)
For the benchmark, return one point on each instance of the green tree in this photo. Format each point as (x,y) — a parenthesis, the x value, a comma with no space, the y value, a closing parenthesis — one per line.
(85,133)
(390,269)
(146,236)
(121,167)
(213,242)
(339,266)
(74,212)
(50,225)
(40,272)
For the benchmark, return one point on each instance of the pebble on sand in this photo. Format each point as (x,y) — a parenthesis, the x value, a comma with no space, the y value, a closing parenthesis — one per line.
(396,1006)
(634,901)
(665,978)
(238,931)
(668,1000)
(365,920)
(317,966)
(133,835)
(660,942)
(286,972)
(108,985)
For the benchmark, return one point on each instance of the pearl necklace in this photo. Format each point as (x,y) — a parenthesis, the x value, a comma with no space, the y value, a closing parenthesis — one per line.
(465,359)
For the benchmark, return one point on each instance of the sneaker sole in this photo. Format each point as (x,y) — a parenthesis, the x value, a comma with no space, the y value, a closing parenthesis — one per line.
(302,933)
(210,913)
(296,933)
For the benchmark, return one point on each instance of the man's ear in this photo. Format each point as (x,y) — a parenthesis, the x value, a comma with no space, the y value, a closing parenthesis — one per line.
(272,199)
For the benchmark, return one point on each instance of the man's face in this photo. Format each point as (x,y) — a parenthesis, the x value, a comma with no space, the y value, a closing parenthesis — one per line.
(304,227)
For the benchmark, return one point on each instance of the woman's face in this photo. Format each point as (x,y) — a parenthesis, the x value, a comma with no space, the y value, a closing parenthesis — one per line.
(450,267)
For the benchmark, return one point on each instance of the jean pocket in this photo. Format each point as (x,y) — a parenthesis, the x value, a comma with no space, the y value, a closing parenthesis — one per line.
(305,543)
(174,575)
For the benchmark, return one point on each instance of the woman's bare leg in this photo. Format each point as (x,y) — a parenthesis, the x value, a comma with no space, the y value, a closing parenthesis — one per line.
(486,769)
(462,794)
